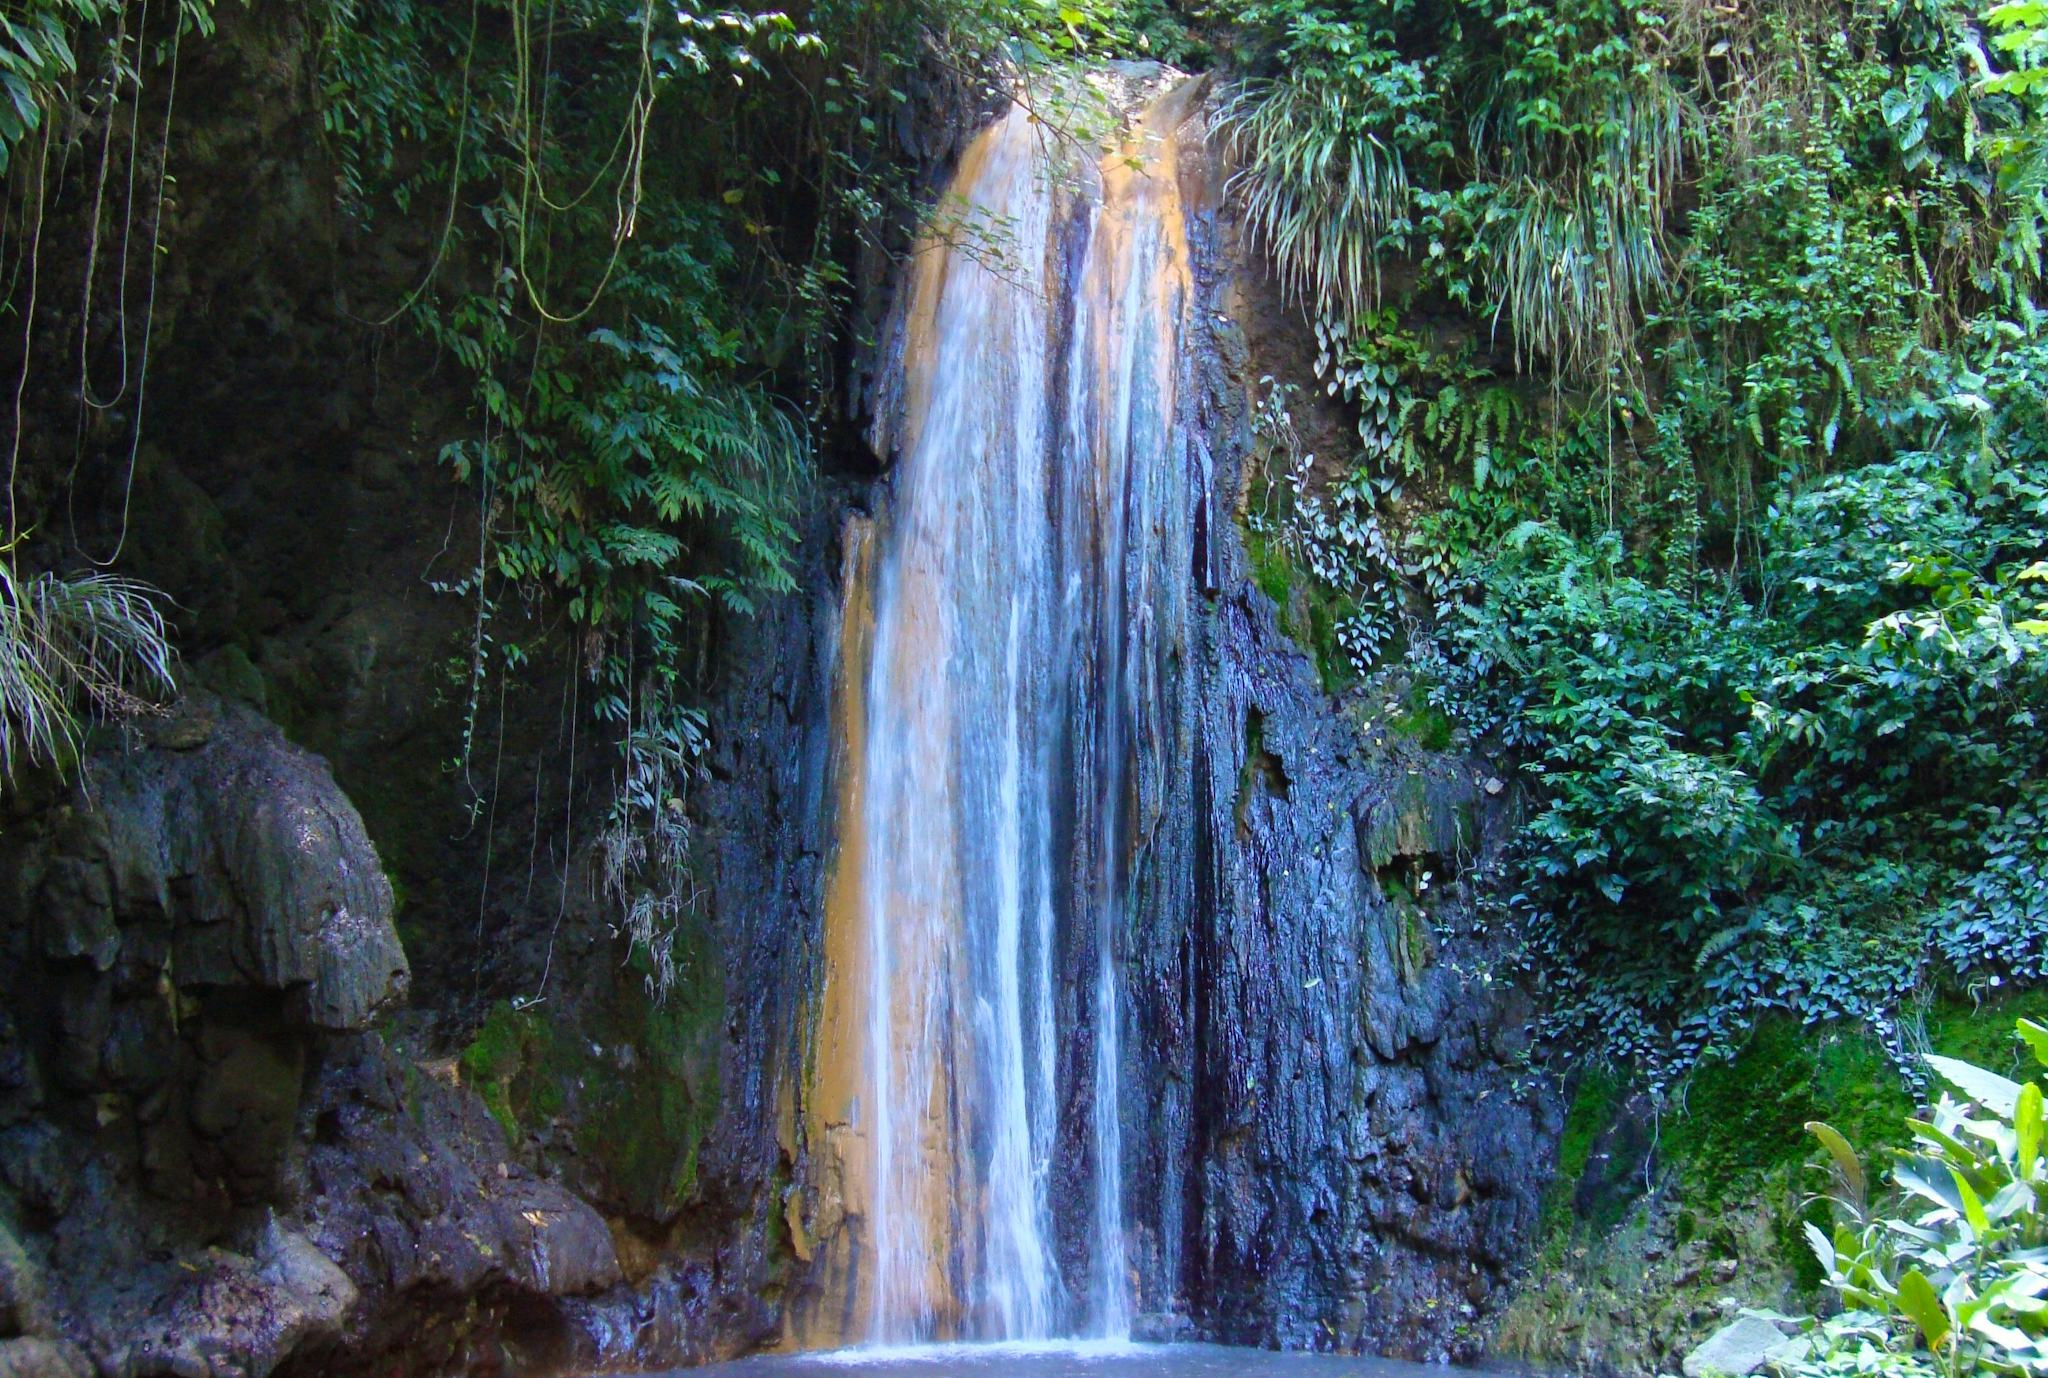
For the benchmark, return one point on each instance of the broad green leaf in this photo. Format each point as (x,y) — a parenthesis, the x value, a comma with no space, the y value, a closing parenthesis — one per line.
(1918,1300)
(2036,1036)
(1973,1205)
(2014,1198)
(1936,1188)
(1990,1090)
(1846,1161)
(1823,1248)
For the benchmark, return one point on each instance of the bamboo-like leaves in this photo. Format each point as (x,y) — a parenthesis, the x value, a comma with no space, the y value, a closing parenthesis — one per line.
(1574,237)
(1570,236)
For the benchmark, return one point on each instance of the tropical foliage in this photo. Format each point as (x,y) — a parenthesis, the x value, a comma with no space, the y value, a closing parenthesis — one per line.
(640,219)
(1949,1275)
(38,57)
(1695,354)
(1694,351)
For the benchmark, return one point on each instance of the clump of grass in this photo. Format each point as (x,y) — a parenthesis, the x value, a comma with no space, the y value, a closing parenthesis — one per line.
(73,651)
(1321,190)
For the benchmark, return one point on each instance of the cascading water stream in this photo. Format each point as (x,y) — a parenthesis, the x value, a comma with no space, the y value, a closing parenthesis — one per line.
(1001,624)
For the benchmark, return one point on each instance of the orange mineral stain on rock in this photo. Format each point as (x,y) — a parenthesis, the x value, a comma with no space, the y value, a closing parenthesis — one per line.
(839,1156)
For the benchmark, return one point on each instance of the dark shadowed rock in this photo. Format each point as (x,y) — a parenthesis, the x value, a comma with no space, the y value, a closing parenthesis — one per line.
(213,1173)
(31,1346)
(418,1201)
(35,1356)
(246,845)
(23,1308)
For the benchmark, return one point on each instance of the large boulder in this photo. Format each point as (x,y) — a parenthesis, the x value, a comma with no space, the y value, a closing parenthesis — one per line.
(423,1196)
(36,1356)
(1736,1350)
(30,1345)
(245,848)
(246,1311)
(184,930)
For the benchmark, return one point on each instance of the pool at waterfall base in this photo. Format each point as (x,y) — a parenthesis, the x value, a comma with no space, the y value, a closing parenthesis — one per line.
(1070,1359)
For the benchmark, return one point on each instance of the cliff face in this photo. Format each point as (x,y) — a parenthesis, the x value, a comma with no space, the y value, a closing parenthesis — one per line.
(260,1107)
(223,1138)
(1329,1144)
(211,1159)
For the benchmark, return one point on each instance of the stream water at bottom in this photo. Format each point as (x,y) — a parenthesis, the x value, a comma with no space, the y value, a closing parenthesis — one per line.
(1070,1359)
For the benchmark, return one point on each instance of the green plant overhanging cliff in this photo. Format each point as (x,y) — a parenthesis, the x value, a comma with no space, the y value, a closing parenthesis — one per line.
(1696,357)
(73,650)
(645,226)
(638,222)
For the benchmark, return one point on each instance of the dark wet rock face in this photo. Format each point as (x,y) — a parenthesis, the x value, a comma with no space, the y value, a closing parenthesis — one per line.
(210,1169)
(418,1200)
(1336,1154)
(1332,1147)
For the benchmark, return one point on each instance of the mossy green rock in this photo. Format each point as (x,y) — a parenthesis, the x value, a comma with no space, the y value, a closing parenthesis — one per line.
(633,1086)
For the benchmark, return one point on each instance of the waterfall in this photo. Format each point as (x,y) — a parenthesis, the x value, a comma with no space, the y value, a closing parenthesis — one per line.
(1002,615)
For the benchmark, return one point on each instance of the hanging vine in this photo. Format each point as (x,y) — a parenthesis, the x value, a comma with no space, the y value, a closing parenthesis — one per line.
(75,648)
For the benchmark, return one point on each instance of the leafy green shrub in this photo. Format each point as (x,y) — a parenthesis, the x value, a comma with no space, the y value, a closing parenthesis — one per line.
(1963,1268)
(1814,794)
(39,44)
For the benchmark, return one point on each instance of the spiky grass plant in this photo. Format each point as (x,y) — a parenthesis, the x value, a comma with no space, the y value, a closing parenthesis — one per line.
(72,651)
(1571,173)
(1321,191)
(1575,235)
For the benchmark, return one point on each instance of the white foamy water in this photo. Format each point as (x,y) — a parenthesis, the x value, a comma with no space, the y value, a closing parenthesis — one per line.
(1086,1359)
